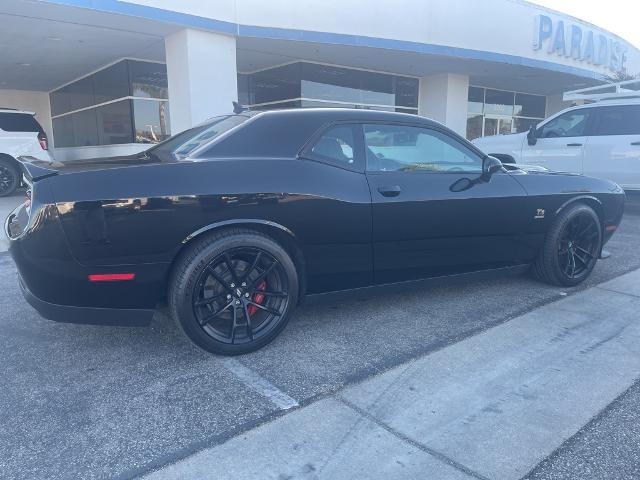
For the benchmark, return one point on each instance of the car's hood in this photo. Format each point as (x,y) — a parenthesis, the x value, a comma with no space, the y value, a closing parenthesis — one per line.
(495,139)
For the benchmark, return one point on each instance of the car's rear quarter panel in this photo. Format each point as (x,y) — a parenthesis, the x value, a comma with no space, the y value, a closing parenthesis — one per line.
(143,215)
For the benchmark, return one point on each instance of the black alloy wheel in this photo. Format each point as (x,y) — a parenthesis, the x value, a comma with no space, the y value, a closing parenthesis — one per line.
(9,178)
(233,292)
(572,247)
(579,245)
(240,295)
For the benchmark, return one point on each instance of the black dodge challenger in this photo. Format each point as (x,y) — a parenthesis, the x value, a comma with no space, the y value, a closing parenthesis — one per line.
(234,221)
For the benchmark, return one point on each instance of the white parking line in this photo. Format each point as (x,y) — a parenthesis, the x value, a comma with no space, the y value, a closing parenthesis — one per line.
(259,384)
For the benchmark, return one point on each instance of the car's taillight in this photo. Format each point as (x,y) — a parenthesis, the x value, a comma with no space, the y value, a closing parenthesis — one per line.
(44,142)
(111,277)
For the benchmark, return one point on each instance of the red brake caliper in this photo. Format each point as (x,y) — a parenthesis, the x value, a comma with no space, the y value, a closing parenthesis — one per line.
(257,297)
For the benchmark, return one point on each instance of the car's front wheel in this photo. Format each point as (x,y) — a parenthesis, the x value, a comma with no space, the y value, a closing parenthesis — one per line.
(571,248)
(9,177)
(233,292)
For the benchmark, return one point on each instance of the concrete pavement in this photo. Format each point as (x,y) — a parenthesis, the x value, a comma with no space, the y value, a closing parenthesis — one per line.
(491,406)
(605,449)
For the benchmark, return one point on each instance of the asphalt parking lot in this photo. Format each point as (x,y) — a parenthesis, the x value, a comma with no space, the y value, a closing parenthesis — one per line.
(103,402)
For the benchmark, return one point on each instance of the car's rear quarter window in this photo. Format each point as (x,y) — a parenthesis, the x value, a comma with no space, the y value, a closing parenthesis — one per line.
(267,136)
(19,122)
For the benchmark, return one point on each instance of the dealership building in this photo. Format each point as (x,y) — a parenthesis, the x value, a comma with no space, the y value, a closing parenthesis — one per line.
(111,76)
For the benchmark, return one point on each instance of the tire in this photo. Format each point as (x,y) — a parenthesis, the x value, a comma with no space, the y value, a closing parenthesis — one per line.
(571,247)
(9,176)
(233,320)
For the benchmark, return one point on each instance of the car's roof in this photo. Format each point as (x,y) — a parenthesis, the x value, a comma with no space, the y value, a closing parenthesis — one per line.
(262,135)
(338,114)
(13,110)
(609,103)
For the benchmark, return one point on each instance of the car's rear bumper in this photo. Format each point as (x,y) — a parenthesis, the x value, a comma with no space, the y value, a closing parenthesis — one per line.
(87,315)
(62,289)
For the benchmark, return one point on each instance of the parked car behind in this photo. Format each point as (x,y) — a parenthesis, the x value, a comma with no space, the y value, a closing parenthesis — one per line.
(20,135)
(600,140)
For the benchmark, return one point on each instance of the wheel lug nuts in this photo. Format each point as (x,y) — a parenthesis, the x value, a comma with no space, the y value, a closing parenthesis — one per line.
(244,284)
(228,297)
(233,285)
(237,302)
(246,295)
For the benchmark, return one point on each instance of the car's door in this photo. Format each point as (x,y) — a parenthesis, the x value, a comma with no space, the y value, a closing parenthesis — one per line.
(560,142)
(422,226)
(613,149)
(334,223)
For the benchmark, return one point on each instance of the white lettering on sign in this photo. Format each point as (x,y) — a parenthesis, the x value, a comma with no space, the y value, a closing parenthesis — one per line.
(572,41)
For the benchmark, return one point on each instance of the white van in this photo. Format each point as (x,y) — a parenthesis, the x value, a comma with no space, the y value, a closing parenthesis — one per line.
(600,139)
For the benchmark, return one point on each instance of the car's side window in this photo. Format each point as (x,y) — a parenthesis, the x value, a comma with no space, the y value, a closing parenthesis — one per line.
(570,124)
(407,148)
(336,145)
(619,120)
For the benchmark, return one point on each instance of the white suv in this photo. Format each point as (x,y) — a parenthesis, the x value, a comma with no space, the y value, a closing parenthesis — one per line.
(600,140)
(20,135)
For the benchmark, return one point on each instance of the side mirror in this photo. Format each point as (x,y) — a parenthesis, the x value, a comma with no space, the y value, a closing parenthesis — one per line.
(490,165)
(532,139)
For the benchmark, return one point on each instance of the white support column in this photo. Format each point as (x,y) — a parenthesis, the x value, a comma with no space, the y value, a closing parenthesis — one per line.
(202,74)
(444,98)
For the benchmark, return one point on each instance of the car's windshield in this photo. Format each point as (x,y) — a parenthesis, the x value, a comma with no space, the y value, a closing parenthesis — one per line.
(184,143)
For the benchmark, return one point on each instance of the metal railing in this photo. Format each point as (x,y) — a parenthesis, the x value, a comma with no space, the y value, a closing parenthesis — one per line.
(611,91)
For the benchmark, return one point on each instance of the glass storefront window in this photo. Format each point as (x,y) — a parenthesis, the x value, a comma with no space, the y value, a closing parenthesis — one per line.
(498,102)
(148,80)
(98,110)
(80,94)
(476,100)
(111,83)
(499,112)
(530,105)
(63,131)
(85,128)
(304,84)
(335,93)
(474,126)
(276,84)
(406,92)
(327,104)
(151,121)
(114,123)
(243,89)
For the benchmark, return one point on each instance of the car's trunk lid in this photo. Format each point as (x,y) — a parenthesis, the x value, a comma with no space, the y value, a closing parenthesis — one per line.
(36,169)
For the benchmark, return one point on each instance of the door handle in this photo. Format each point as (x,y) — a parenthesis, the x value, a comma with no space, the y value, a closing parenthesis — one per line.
(574,144)
(635,143)
(390,190)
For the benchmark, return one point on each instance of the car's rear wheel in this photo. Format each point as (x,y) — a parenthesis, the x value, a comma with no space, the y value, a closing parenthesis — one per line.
(9,177)
(572,247)
(233,292)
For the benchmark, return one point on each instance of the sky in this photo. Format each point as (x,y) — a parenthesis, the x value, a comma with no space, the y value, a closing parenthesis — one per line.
(618,16)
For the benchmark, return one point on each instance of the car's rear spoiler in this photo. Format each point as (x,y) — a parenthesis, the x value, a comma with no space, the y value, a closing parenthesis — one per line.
(35,169)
